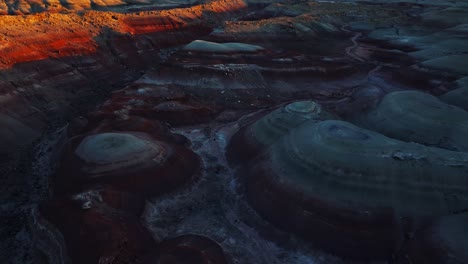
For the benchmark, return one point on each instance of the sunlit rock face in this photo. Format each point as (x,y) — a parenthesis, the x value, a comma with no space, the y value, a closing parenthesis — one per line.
(444,241)
(277,26)
(409,115)
(32,6)
(56,63)
(191,249)
(351,191)
(36,37)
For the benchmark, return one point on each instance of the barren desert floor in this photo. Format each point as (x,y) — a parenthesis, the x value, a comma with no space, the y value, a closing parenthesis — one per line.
(234,132)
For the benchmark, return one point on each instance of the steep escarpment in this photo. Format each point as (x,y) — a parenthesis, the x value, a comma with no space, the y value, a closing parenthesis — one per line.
(24,7)
(49,60)
(57,66)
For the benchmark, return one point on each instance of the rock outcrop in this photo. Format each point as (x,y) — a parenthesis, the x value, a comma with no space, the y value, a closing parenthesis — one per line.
(409,115)
(441,242)
(304,183)
(103,181)
(147,97)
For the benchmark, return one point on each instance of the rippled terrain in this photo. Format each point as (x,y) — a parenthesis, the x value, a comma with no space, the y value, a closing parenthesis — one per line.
(234,131)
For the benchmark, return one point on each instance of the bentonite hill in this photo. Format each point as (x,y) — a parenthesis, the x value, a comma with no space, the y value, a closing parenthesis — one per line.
(233,132)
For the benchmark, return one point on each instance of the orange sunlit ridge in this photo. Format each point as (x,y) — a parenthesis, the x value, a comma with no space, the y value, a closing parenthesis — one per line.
(53,35)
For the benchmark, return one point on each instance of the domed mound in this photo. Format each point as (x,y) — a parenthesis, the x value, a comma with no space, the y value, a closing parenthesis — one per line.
(129,160)
(213,47)
(109,152)
(350,191)
(268,129)
(420,117)
(444,242)
(457,64)
(279,122)
(458,97)
(105,176)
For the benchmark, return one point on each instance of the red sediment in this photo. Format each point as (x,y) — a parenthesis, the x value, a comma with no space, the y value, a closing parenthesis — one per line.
(164,103)
(44,46)
(332,227)
(101,234)
(42,36)
(99,214)
(150,24)
(190,249)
